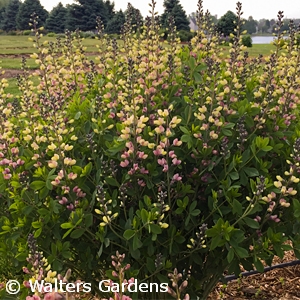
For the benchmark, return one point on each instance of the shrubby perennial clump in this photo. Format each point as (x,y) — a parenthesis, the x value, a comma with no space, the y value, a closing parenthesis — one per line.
(182,158)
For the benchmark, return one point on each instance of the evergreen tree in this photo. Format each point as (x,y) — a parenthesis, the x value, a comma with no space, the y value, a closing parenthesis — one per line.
(2,14)
(4,3)
(83,15)
(226,24)
(174,8)
(57,19)
(27,8)
(110,7)
(250,25)
(10,15)
(115,24)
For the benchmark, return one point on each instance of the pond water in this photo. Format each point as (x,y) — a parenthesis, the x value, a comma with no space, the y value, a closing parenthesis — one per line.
(262,39)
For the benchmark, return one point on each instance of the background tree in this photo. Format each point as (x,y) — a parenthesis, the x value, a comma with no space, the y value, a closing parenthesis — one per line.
(250,25)
(110,7)
(115,24)
(10,15)
(4,3)
(174,8)
(226,24)
(83,15)
(26,9)
(56,22)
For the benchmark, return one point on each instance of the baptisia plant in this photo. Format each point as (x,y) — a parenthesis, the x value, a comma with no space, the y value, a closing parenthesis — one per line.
(178,156)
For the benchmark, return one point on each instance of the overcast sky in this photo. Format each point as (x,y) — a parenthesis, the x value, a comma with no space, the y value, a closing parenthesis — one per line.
(257,8)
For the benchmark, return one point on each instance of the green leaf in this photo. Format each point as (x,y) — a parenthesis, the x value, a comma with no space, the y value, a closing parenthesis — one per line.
(215,242)
(230,255)
(21,256)
(88,219)
(77,233)
(37,185)
(128,234)
(197,77)
(234,175)
(87,170)
(111,181)
(195,212)
(251,172)
(43,193)
(267,148)
(49,185)
(258,265)
(136,243)
(155,228)
(36,224)
(144,215)
(241,252)
(237,207)
(251,223)
(38,232)
(226,132)
(184,130)
(66,225)
(77,116)
(186,138)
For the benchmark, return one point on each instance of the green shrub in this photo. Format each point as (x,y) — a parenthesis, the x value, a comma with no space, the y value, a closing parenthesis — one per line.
(186,36)
(12,32)
(247,40)
(51,34)
(27,32)
(114,36)
(170,155)
(298,39)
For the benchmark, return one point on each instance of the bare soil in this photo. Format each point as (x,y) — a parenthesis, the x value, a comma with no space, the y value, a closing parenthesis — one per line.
(277,284)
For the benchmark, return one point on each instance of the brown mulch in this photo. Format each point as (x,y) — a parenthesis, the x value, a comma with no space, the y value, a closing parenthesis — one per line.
(277,284)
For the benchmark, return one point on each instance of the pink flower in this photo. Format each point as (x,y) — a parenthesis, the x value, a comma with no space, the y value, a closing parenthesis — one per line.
(176,177)
(172,154)
(7,176)
(176,161)
(144,171)
(70,206)
(34,297)
(53,296)
(157,152)
(124,163)
(161,161)
(63,201)
(72,176)
(176,142)
(141,183)
(166,168)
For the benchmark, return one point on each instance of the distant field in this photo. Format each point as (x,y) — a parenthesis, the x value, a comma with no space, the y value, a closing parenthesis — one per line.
(13,48)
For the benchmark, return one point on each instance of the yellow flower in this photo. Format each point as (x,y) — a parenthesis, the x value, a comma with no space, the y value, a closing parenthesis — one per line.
(69,161)
(51,147)
(278,184)
(295,179)
(52,164)
(163,225)
(68,147)
(27,138)
(55,157)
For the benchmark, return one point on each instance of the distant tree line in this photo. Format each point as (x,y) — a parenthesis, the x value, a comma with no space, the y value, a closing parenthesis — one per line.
(15,15)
